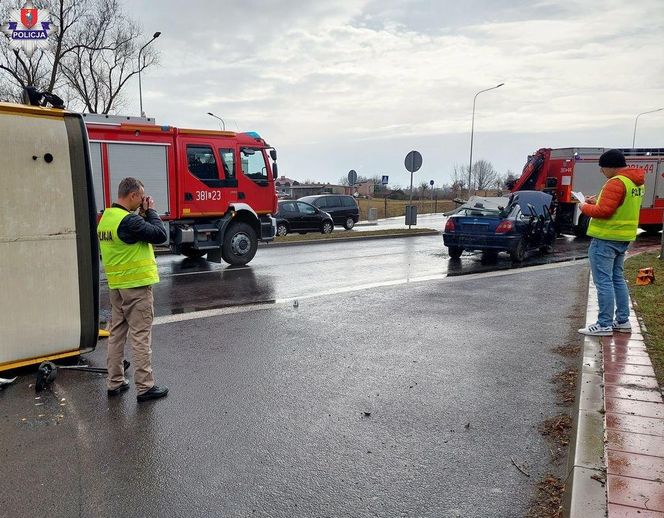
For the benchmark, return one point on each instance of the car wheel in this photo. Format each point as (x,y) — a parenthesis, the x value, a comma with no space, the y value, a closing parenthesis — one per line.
(282,229)
(454,251)
(518,253)
(327,227)
(349,223)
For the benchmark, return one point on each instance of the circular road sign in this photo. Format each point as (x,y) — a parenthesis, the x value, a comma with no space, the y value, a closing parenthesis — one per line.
(413,161)
(352,177)
(431,183)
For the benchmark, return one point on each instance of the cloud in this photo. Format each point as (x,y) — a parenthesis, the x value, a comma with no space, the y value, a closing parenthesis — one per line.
(347,71)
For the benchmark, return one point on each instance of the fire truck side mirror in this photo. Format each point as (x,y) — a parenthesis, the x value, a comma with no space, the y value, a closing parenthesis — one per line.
(275,170)
(273,154)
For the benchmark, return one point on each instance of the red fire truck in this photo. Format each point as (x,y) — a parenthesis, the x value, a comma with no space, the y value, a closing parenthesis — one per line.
(561,171)
(213,189)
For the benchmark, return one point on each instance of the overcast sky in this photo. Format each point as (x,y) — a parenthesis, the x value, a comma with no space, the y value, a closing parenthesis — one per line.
(356,84)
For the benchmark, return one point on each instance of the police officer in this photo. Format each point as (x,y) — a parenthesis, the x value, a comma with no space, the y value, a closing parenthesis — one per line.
(126,241)
(614,220)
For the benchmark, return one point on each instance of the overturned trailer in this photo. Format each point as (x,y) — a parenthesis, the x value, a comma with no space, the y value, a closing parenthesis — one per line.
(49,260)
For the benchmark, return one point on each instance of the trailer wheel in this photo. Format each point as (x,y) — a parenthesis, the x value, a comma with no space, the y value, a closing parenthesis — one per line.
(455,251)
(518,253)
(193,253)
(240,244)
(651,229)
(581,230)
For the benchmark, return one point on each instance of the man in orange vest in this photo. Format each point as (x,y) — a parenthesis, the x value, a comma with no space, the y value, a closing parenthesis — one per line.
(614,221)
(126,241)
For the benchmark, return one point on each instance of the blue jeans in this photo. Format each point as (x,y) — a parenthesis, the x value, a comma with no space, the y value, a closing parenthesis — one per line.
(606,262)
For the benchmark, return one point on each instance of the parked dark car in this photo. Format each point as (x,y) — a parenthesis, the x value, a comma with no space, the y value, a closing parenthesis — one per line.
(341,207)
(525,223)
(298,216)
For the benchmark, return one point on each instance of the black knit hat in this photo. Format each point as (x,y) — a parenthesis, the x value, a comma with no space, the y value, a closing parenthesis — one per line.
(612,158)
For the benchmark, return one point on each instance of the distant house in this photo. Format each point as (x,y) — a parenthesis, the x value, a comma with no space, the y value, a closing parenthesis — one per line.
(289,188)
(284,185)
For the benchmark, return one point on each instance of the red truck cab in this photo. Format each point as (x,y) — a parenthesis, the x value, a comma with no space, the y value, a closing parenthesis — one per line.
(214,189)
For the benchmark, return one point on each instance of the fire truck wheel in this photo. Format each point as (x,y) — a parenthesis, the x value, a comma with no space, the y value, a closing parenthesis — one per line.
(327,228)
(282,229)
(192,253)
(349,223)
(651,229)
(518,253)
(240,244)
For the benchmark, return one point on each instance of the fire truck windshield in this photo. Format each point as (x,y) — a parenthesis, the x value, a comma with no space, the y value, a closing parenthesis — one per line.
(254,166)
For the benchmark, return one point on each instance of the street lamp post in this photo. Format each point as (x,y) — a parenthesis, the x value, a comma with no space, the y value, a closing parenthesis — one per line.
(472,131)
(140,89)
(216,117)
(636,121)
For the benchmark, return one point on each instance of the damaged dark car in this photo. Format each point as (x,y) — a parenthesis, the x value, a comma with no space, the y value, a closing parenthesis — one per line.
(515,225)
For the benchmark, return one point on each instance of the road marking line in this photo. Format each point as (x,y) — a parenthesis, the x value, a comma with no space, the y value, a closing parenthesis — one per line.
(232,310)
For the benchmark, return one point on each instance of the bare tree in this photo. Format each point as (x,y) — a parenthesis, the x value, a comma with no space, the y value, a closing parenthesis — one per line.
(508,180)
(484,176)
(344,180)
(424,186)
(459,178)
(89,59)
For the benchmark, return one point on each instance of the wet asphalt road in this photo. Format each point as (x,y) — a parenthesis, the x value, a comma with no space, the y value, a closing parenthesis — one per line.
(268,411)
(266,415)
(294,271)
(279,272)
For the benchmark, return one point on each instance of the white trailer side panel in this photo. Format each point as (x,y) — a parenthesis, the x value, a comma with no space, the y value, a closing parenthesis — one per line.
(40,306)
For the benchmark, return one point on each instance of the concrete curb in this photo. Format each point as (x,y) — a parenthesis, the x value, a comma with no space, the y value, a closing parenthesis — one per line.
(616,462)
(585,494)
(429,232)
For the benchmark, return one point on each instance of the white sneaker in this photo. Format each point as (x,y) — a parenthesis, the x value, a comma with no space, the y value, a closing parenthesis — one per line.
(622,328)
(596,330)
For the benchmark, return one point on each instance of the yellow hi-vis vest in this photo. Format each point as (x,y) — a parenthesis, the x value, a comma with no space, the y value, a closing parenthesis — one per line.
(126,266)
(624,222)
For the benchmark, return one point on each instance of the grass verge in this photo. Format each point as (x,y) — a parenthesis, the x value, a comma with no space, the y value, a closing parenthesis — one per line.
(649,305)
(316,236)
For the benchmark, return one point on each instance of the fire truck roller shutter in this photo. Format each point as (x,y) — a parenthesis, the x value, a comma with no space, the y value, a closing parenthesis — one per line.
(49,267)
(148,163)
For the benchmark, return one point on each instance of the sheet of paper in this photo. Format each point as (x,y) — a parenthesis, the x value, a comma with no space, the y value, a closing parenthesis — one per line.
(579,196)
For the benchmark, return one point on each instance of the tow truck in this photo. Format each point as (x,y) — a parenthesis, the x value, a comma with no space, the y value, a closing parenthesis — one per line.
(558,172)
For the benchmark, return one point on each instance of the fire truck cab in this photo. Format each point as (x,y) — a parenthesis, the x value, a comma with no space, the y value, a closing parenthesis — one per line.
(561,171)
(213,189)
